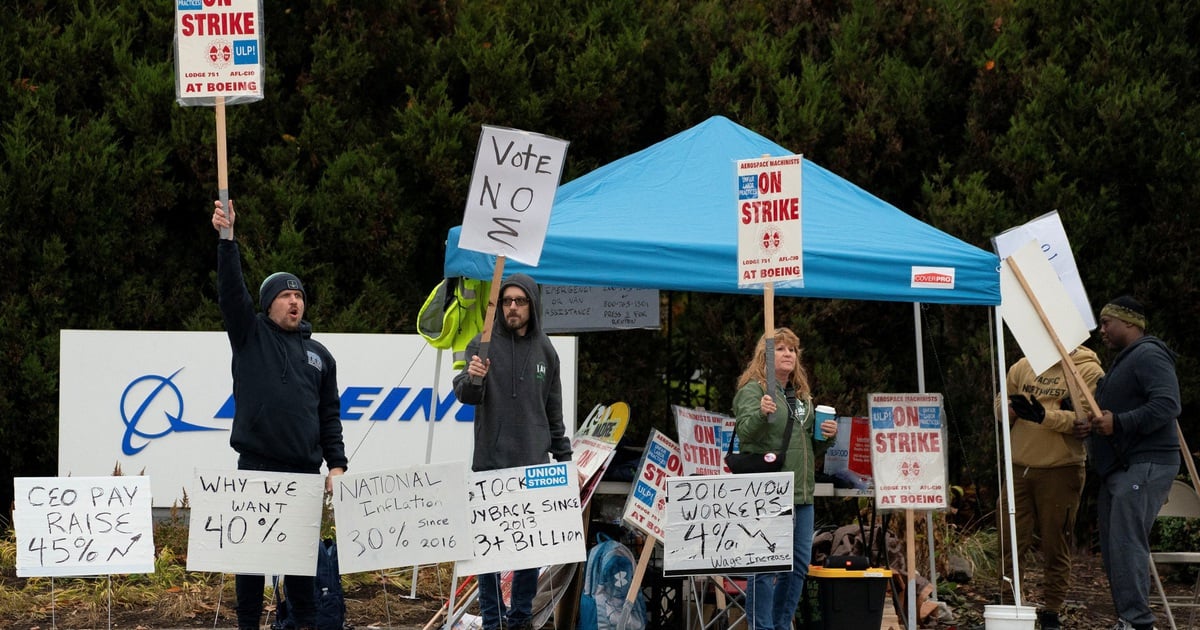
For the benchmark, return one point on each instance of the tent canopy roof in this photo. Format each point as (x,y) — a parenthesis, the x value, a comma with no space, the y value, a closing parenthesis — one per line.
(665,218)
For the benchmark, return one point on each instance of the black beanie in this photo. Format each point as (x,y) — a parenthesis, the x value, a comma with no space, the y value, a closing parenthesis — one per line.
(275,284)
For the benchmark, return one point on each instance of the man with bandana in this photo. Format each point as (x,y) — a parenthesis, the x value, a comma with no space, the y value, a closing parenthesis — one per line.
(1133,446)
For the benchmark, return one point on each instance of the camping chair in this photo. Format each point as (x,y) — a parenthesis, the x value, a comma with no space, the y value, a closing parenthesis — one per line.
(1182,501)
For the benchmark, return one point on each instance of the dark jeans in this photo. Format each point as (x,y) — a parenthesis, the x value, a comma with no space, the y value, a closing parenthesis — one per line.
(298,589)
(491,602)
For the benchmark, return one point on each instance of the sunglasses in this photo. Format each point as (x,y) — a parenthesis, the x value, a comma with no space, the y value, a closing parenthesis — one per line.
(519,301)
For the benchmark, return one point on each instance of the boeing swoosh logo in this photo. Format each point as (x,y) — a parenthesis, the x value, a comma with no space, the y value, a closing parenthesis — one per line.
(164,387)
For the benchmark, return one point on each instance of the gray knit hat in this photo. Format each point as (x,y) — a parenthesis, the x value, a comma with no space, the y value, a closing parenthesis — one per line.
(275,284)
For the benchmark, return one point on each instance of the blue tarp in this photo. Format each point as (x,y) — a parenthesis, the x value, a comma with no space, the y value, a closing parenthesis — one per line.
(665,218)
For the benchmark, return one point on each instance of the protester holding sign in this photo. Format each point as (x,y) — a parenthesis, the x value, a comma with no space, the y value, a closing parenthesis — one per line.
(1134,448)
(762,420)
(1047,469)
(287,415)
(517,395)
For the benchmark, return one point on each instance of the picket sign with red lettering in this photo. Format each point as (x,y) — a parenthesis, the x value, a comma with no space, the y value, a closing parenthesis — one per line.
(218,51)
(646,505)
(703,439)
(770,237)
(907,440)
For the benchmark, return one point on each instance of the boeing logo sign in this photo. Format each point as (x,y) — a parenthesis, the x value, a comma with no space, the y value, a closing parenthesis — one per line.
(160,387)
(374,404)
(384,403)
(161,404)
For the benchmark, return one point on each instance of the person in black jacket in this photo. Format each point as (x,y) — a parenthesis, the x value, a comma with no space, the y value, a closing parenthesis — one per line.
(287,410)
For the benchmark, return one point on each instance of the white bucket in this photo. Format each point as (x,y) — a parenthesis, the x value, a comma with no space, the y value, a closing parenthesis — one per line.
(998,617)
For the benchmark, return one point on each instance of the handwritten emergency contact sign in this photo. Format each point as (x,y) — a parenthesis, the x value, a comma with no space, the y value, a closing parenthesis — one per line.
(218,51)
(770,244)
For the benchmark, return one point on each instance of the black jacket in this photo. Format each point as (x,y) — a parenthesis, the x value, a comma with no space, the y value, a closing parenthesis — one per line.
(287,414)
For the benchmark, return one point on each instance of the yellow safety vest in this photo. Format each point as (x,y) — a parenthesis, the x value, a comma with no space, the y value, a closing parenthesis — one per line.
(453,314)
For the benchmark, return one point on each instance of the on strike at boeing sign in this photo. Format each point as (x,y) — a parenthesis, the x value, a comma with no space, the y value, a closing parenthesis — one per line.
(770,238)
(646,506)
(512,189)
(906,439)
(161,403)
(703,439)
(83,526)
(218,51)
(524,517)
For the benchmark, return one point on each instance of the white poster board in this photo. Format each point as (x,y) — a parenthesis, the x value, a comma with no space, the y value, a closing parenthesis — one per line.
(524,517)
(401,517)
(83,526)
(770,234)
(567,309)
(249,521)
(512,189)
(728,524)
(907,437)
(218,51)
(1048,230)
(1018,311)
(703,440)
(646,505)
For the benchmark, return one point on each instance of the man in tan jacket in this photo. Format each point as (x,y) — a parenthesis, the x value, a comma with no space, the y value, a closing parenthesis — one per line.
(1047,469)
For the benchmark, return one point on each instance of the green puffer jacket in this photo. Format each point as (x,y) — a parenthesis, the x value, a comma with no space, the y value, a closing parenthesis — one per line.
(758,434)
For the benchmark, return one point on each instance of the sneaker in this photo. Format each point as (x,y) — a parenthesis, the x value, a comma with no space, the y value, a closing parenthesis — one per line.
(1048,620)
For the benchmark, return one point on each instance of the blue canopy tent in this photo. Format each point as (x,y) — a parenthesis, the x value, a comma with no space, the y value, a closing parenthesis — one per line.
(665,218)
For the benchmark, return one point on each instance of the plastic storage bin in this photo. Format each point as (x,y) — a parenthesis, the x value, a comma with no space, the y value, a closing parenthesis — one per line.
(851,599)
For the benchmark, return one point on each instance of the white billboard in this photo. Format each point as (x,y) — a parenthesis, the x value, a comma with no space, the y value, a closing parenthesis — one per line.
(161,403)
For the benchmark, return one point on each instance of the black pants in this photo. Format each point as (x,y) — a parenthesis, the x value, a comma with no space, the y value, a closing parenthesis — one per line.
(298,588)
(299,592)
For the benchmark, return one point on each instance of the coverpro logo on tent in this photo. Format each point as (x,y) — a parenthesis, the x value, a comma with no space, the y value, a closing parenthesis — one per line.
(932,278)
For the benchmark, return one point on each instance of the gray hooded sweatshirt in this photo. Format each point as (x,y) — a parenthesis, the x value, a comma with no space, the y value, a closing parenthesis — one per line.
(518,407)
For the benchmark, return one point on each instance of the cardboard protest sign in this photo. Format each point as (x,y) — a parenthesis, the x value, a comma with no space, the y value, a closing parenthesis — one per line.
(83,526)
(218,51)
(907,440)
(596,440)
(1020,308)
(250,521)
(1050,234)
(770,235)
(402,517)
(728,524)
(524,517)
(703,439)
(512,190)
(645,508)
(849,457)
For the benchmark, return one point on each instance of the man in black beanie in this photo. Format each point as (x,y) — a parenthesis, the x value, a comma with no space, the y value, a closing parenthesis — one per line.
(1134,447)
(287,415)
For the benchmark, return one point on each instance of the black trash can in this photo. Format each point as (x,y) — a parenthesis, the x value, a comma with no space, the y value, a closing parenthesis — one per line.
(851,599)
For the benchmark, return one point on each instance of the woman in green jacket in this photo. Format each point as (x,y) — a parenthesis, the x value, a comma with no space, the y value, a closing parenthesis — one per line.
(761,422)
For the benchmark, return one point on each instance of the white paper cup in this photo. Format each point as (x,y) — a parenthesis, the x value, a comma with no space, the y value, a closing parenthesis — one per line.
(823,413)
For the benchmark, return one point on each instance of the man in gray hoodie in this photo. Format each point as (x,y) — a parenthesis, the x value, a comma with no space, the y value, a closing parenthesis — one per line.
(1134,448)
(518,420)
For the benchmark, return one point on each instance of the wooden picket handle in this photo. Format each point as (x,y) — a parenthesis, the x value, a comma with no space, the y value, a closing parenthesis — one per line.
(1068,365)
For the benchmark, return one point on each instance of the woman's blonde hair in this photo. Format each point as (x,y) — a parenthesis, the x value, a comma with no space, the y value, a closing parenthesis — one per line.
(757,369)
